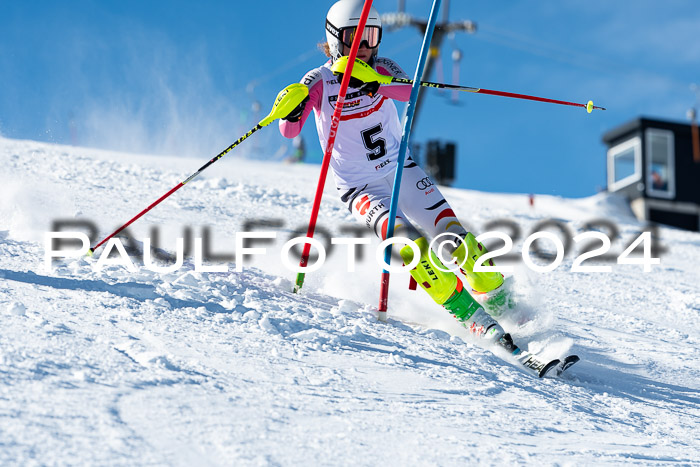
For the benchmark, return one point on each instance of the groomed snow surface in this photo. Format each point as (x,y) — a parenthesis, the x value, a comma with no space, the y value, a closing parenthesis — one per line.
(225,368)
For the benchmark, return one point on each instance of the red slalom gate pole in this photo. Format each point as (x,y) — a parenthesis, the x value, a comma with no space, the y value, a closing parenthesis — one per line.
(335,121)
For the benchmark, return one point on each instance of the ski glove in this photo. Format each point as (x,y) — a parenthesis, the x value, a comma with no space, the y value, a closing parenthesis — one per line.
(364,77)
(370,88)
(295,114)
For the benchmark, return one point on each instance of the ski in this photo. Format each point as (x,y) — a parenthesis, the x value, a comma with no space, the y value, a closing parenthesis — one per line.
(532,362)
(565,364)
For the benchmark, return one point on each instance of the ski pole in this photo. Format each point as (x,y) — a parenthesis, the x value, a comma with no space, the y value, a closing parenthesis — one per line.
(588,106)
(367,74)
(297,92)
(335,121)
(403,147)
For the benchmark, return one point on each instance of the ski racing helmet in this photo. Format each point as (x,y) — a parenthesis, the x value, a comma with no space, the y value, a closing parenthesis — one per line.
(341,24)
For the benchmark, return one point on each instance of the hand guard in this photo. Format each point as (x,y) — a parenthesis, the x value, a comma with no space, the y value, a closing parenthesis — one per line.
(364,77)
(287,102)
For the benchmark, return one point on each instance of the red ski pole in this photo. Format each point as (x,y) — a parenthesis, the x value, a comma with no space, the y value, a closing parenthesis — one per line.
(294,94)
(588,106)
(175,188)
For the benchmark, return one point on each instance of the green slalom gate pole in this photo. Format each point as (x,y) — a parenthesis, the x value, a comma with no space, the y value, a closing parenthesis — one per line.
(408,122)
(335,121)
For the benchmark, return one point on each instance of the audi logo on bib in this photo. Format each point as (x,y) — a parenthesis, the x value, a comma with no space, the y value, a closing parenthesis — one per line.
(424,184)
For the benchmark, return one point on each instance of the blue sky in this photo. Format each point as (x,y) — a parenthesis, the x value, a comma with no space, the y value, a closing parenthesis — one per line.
(182,78)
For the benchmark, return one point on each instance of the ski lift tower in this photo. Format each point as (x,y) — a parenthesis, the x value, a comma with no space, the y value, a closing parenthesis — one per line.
(440,161)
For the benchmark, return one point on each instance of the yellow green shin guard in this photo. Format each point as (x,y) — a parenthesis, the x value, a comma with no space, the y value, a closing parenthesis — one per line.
(447,290)
(439,284)
(466,255)
(442,286)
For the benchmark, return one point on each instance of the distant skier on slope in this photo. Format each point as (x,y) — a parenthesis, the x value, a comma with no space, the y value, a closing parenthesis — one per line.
(364,162)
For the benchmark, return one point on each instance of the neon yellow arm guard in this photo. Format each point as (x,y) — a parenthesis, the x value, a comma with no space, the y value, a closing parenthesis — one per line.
(361,71)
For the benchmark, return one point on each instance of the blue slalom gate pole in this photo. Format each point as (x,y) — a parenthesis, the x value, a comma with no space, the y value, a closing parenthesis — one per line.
(408,122)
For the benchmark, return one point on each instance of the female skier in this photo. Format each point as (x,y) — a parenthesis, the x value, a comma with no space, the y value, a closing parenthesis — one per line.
(364,159)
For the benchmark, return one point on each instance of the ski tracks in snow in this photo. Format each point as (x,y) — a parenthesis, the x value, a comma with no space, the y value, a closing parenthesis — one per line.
(232,368)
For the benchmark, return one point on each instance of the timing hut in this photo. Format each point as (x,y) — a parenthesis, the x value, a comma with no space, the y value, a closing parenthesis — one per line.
(652,163)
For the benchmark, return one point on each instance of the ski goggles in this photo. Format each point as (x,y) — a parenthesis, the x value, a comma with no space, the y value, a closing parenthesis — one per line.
(372,35)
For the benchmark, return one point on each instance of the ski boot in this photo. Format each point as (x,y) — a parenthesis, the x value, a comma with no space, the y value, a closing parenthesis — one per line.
(488,287)
(507,343)
(497,302)
(472,315)
(447,290)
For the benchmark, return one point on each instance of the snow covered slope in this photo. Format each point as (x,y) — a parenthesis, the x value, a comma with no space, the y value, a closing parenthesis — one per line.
(226,368)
